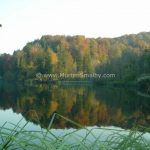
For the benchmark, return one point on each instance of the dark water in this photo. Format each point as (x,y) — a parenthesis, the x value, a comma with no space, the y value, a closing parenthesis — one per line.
(86,104)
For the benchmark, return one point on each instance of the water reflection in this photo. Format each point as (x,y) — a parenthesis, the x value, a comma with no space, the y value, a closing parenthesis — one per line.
(88,105)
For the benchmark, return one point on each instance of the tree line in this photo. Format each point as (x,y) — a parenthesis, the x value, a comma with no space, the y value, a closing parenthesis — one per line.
(127,56)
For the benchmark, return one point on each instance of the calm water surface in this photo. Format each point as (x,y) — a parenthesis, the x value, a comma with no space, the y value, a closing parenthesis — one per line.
(86,104)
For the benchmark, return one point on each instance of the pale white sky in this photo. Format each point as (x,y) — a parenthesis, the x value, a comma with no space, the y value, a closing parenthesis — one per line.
(26,20)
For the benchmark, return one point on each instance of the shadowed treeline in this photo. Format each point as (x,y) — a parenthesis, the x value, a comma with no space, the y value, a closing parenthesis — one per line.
(128,57)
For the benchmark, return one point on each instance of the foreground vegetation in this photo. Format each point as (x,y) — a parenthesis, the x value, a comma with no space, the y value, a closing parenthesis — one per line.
(17,137)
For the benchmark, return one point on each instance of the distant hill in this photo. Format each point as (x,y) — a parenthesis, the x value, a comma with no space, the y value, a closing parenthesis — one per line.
(127,56)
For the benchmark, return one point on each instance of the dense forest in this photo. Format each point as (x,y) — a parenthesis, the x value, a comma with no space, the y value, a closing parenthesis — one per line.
(127,57)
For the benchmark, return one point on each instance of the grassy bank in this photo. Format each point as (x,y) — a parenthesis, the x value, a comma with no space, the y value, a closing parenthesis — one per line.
(84,138)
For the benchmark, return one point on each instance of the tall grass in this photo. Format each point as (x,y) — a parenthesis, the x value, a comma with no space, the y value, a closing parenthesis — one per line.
(17,137)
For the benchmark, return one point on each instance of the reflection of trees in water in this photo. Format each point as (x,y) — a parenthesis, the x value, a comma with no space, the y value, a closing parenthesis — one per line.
(86,105)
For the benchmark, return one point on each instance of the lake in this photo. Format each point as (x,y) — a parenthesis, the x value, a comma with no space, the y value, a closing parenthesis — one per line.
(86,104)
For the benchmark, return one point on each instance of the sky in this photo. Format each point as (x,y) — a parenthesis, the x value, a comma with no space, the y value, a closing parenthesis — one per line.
(26,20)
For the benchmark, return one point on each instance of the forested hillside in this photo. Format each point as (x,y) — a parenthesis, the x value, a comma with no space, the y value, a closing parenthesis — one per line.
(127,56)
